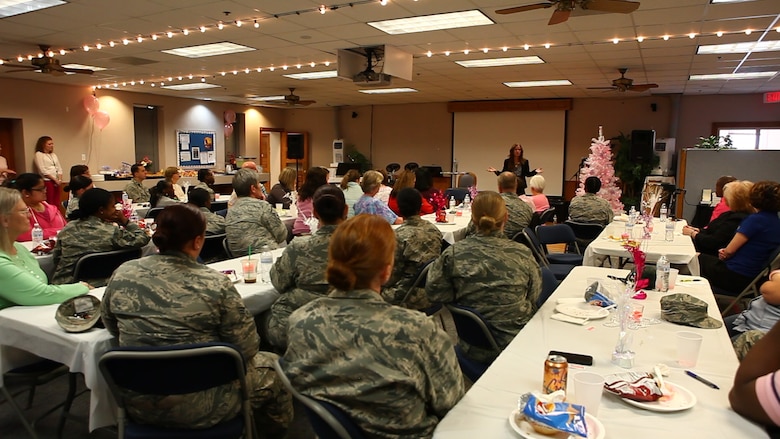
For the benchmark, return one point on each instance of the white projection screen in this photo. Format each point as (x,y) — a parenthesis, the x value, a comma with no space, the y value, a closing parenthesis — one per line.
(482,140)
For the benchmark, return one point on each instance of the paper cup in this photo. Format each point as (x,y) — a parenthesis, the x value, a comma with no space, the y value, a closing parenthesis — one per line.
(673,272)
(588,387)
(688,347)
(249,270)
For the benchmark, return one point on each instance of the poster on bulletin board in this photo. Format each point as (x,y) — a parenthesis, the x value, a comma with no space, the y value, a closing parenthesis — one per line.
(196,149)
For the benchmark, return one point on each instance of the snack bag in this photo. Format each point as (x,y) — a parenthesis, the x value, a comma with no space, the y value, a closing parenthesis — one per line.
(548,414)
(594,297)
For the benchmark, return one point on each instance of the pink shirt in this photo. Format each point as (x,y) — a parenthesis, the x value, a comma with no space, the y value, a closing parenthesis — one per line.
(539,201)
(768,395)
(305,211)
(50,220)
(721,208)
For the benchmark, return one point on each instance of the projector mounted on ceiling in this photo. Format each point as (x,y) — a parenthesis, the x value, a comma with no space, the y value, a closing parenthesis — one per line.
(372,78)
(374,66)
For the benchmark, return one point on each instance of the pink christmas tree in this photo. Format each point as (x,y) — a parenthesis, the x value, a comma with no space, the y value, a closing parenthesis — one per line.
(599,164)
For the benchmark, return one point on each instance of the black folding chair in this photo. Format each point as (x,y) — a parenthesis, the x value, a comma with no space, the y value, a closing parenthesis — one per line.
(101,265)
(212,250)
(327,420)
(176,370)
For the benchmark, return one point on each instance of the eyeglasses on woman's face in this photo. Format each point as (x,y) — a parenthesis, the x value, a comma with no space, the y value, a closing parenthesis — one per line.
(39,189)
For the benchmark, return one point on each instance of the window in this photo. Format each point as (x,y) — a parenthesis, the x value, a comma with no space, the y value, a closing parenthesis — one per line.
(751,136)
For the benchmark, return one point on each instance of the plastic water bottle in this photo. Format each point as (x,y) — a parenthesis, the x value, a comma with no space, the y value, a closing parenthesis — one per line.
(37,235)
(669,231)
(125,198)
(662,274)
(266,261)
(632,216)
(467,202)
(664,212)
(452,203)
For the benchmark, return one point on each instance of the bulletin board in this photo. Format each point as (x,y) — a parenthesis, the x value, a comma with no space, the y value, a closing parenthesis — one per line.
(195,149)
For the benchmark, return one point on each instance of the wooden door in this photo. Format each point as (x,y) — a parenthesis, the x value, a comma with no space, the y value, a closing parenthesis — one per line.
(7,142)
(264,159)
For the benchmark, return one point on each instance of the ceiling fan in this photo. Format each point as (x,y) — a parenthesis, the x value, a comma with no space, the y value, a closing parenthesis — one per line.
(47,64)
(288,101)
(564,8)
(623,84)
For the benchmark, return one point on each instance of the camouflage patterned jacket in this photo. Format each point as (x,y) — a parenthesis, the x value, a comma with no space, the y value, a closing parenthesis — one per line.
(91,235)
(520,214)
(170,299)
(391,369)
(496,276)
(417,242)
(590,208)
(205,187)
(253,222)
(299,277)
(137,192)
(215,224)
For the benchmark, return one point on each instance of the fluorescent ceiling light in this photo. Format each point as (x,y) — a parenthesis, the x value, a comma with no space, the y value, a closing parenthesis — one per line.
(267,98)
(381,91)
(190,86)
(729,1)
(426,23)
(496,62)
(549,83)
(84,67)
(726,76)
(760,46)
(312,75)
(205,50)
(9,8)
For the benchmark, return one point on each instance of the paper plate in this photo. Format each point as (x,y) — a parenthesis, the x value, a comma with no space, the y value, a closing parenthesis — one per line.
(582,310)
(682,399)
(524,429)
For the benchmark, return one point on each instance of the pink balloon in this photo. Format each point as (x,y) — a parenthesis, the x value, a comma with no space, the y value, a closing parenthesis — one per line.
(230,116)
(101,119)
(228,129)
(91,104)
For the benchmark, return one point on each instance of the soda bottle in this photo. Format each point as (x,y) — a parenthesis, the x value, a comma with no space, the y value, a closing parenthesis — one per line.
(37,235)
(266,261)
(662,274)
(664,212)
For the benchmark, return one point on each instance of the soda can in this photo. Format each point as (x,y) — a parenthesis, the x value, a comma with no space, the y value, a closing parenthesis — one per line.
(556,371)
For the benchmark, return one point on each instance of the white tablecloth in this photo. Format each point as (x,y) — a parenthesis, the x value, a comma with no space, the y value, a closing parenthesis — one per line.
(484,410)
(680,251)
(451,232)
(33,329)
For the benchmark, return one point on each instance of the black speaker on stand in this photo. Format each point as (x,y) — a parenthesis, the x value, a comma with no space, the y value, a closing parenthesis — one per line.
(642,146)
(295,151)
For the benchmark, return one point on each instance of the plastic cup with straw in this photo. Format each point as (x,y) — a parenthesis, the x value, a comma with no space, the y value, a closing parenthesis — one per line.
(249,268)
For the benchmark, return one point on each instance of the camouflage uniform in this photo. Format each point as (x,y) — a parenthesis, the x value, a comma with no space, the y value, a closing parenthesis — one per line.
(215,224)
(497,277)
(747,340)
(520,214)
(137,192)
(391,369)
(299,277)
(253,222)
(91,235)
(205,187)
(170,299)
(73,205)
(417,242)
(590,208)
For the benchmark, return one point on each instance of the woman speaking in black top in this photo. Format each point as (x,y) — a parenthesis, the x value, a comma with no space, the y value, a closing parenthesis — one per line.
(517,165)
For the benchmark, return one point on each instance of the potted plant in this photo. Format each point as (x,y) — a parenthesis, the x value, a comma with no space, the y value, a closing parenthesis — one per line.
(715,142)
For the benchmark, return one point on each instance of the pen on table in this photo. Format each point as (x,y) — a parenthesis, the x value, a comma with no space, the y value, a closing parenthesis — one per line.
(703,380)
(690,280)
